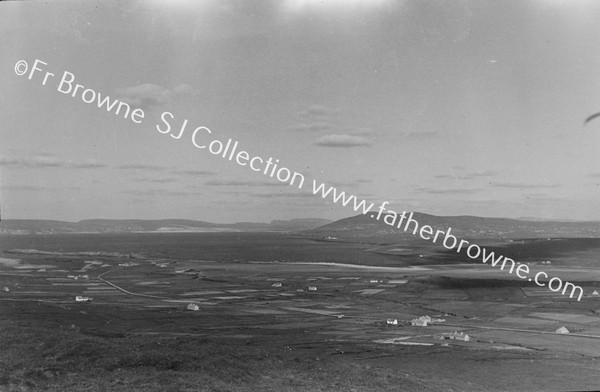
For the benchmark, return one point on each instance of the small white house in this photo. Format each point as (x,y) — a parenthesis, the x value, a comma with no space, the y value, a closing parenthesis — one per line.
(193,307)
(595,292)
(562,330)
(392,321)
(453,336)
(460,336)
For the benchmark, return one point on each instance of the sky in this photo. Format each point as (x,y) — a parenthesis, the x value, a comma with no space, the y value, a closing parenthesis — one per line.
(442,107)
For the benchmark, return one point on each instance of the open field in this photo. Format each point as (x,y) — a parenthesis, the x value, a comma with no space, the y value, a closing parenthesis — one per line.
(250,333)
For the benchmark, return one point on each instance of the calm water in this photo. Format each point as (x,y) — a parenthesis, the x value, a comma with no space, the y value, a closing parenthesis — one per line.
(277,246)
(205,246)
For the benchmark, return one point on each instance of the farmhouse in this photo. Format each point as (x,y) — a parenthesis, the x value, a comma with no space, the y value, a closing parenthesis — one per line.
(454,336)
(562,330)
(422,321)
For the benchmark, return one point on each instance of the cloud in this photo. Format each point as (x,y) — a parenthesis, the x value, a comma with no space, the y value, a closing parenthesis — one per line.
(48,161)
(316,118)
(37,188)
(195,172)
(153,193)
(334,8)
(284,194)
(469,176)
(319,118)
(544,198)
(242,183)
(156,180)
(144,95)
(343,141)
(32,162)
(136,166)
(319,112)
(89,165)
(523,185)
(459,191)
(147,95)
(454,191)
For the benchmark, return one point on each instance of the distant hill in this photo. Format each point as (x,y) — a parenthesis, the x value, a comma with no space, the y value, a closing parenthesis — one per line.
(367,229)
(356,228)
(30,226)
(298,224)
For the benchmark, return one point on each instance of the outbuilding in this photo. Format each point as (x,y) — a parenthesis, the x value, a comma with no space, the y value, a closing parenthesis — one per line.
(562,330)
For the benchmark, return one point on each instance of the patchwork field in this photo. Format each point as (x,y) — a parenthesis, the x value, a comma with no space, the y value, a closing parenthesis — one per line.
(272,325)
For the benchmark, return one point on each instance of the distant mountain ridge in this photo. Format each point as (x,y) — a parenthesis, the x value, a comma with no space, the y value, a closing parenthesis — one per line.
(368,229)
(33,226)
(362,228)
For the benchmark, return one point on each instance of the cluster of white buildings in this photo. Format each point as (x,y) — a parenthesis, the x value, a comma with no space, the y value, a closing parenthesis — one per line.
(424,321)
(77,277)
(128,264)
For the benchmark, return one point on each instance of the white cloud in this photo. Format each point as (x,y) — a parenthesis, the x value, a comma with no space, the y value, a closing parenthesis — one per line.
(343,141)
(241,183)
(48,161)
(147,94)
(335,6)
